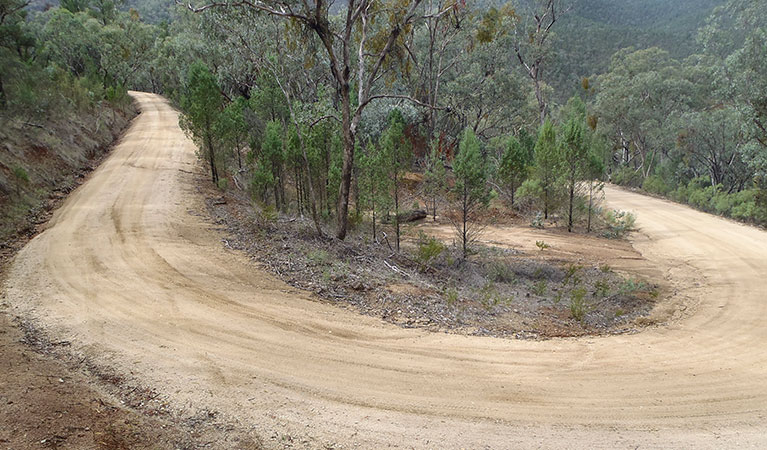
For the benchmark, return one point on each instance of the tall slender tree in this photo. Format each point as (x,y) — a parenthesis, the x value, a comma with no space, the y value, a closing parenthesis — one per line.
(397,154)
(470,188)
(547,164)
(203,103)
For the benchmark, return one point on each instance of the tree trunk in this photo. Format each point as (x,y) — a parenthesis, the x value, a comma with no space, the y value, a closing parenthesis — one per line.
(591,196)
(212,161)
(3,101)
(396,210)
(346,171)
(465,213)
(572,200)
(541,102)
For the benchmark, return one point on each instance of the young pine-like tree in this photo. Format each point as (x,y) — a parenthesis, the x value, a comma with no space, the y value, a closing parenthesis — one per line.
(271,159)
(273,152)
(233,129)
(547,164)
(397,155)
(575,161)
(470,187)
(202,104)
(372,183)
(515,165)
(434,177)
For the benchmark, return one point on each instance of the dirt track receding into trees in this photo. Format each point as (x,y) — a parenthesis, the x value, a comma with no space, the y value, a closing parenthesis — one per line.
(131,273)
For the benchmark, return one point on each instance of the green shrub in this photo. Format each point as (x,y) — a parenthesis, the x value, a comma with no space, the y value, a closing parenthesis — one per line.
(655,185)
(571,274)
(631,286)
(539,288)
(22,178)
(429,249)
(528,195)
(618,223)
(500,272)
(626,176)
(578,305)
(451,295)
(601,288)
(318,257)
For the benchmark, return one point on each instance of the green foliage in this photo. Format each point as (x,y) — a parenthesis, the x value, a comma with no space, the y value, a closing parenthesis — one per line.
(202,104)
(318,257)
(571,272)
(451,296)
(539,288)
(618,223)
(470,170)
(541,245)
(547,166)
(500,272)
(22,178)
(515,165)
(396,157)
(470,187)
(429,249)
(632,286)
(435,176)
(655,184)
(578,304)
(601,289)
(575,157)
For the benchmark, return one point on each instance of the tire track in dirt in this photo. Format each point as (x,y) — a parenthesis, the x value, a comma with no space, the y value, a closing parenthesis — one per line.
(133,276)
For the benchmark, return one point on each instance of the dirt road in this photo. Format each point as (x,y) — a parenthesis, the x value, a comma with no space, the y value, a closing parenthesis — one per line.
(131,273)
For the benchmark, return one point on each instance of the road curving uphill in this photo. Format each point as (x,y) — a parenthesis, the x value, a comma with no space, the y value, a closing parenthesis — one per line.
(133,275)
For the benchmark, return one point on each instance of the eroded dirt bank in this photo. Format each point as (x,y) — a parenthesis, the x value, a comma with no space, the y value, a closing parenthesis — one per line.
(134,277)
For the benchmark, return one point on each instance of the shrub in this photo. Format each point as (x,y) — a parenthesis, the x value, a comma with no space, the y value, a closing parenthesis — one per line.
(539,288)
(451,295)
(528,195)
(541,245)
(319,257)
(571,274)
(578,304)
(429,249)
(618,223)
(500,272)
(631,285)
(655,185)
(626,176)
(22,178)
(601,288)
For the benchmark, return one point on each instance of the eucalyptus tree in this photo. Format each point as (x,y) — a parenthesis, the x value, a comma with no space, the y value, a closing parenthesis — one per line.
(713,140)
(532,42)
(13,41)
(637,102)
(365,44)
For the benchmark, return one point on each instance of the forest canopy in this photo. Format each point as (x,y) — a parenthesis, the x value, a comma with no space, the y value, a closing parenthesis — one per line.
(322,108)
